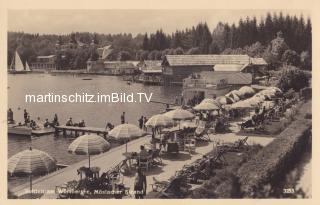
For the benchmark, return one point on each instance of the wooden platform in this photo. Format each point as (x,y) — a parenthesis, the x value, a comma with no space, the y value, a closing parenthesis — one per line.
(80,130)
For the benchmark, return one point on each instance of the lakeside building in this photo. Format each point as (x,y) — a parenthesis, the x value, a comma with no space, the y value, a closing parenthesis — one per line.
(112,67)
(178,67)
(120,67)
(44,63)
(151,72)
(212,84)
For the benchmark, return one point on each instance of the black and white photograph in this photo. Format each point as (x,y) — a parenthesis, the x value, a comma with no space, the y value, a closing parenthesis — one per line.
(159,104)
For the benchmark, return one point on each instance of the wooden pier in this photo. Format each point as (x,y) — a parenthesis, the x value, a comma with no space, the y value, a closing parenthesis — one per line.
(80,130)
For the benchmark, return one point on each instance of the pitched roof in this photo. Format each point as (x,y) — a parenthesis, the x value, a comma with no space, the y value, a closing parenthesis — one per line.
(190,60)
(234,78)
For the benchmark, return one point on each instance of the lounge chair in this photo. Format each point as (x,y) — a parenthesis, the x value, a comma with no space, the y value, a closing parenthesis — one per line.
(158,185)
(190,145)
(202,133)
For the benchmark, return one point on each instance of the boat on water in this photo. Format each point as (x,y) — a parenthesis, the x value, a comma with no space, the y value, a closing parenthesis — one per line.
(17,67)
(21,130)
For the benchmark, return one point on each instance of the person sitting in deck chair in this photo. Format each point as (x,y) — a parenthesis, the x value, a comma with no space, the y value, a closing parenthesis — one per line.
(201,131)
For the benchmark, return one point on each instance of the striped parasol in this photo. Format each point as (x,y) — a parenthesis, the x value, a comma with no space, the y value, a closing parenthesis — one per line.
(208,100)
(236,92)
(31,162)
(246,90)
(179,114)
(224,100)
(89,144)
(206,106)
(235,97)
(126,132)
(241,104)
(159,120)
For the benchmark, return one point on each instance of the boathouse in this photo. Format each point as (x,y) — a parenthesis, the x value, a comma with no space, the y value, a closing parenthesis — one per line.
(151,72)
(44,63)
(178,67)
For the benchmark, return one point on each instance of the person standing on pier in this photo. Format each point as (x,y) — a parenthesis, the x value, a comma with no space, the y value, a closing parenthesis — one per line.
(25,115)
(123,118)
(140,122)
(55,119)
(144,123)
(10,116)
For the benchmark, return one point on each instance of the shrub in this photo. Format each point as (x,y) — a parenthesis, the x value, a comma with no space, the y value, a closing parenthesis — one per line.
(292,78)
(275,160)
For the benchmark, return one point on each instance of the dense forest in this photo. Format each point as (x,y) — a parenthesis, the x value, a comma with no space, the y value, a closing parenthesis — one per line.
(276,38)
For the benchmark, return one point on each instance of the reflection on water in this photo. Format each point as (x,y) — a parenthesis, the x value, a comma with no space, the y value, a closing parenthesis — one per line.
(94,114)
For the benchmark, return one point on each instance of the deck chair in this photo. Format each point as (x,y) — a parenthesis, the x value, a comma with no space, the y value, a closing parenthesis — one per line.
(156,157)
(158,185)
(201,133)
(219,157)
(190,145)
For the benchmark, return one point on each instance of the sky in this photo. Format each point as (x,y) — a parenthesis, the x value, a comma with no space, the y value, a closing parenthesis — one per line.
(126,21)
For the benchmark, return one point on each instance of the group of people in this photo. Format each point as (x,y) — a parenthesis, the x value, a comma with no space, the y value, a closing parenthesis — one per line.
(142,122)
(31,123)
(80,124)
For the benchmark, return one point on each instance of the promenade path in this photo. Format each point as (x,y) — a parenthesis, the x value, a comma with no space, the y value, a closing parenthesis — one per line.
(111,158)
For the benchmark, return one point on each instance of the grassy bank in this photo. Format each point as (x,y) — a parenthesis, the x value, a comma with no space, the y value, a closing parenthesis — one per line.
(260,177)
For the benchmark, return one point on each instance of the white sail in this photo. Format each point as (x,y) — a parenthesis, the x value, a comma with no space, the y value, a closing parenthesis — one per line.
(18,65)
(27,67)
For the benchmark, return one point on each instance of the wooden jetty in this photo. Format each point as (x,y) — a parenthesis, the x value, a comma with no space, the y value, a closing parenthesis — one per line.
(80,130)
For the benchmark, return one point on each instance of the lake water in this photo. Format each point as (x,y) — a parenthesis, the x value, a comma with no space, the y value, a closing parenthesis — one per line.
(94,114)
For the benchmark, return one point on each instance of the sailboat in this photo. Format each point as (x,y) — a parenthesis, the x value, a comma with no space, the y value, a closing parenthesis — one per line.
(17,67)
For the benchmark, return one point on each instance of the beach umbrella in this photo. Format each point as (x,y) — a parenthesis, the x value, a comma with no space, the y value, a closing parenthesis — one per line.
(89,144)
(269,92)
(224,100)
(233,96)
(206,106)
(31,162)
(208,100)
(126,132)
(246,90)
(241,104)
(179,114)
(237,93)
(159,120)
